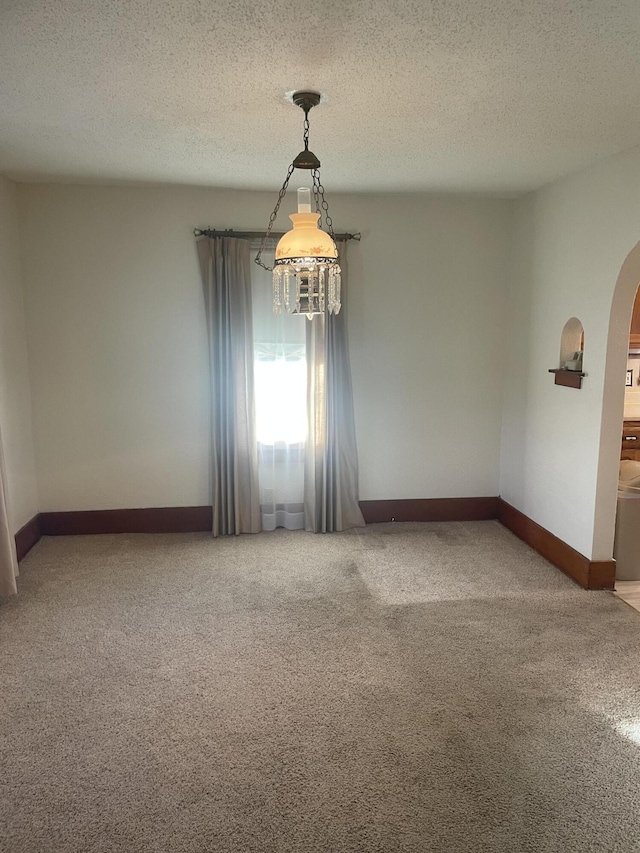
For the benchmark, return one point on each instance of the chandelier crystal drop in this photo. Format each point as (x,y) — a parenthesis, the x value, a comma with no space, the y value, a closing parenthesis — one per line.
(306,272)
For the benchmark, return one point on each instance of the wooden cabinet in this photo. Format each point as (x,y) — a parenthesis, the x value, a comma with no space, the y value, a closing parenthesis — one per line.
(634,336)
(631,440)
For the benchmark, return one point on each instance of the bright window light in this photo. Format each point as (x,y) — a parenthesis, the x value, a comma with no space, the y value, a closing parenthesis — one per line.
(281,400)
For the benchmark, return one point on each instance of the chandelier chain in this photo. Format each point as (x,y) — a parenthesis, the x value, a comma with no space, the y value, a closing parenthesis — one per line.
(272,219)
(318,192)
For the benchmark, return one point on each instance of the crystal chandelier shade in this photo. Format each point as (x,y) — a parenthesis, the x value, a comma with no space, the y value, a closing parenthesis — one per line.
(312,289)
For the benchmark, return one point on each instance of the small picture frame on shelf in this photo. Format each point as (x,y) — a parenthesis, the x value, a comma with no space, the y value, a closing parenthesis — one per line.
(629,382)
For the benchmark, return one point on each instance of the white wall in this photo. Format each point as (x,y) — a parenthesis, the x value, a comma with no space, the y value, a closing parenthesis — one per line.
(561,446)
(117,340)
(15,398)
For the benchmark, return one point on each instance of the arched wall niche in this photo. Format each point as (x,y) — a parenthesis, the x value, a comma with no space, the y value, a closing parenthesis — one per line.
(569,370)
(571,343)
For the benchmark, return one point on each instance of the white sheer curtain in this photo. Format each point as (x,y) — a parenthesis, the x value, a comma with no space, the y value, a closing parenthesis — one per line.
(280,375)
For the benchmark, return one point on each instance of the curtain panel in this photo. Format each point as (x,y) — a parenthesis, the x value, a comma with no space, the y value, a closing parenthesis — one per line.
(8,559)
(331,461)
(226,277)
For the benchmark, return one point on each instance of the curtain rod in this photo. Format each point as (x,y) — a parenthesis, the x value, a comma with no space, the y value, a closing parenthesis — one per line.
(257,235)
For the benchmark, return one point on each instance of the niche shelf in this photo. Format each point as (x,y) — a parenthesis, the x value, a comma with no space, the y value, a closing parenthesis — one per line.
(571,352)
(568,378)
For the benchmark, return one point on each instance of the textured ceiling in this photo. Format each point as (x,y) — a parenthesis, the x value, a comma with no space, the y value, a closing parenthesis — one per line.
(447,95)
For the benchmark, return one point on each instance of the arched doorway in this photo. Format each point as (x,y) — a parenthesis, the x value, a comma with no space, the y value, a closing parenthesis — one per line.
(613,405)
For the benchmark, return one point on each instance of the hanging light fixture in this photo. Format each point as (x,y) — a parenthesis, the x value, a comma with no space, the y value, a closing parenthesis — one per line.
(306,272)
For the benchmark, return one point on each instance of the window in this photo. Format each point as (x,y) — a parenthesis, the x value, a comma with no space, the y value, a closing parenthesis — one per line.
(280,388)
(280,375)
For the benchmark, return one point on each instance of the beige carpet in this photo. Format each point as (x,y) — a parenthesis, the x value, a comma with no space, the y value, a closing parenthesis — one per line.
(406,687)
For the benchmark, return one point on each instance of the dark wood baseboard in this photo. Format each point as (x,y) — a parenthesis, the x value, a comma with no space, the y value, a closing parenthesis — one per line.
(173,519)
(27,537)
(199,518)
(430,509)
(192,519)
(589,574)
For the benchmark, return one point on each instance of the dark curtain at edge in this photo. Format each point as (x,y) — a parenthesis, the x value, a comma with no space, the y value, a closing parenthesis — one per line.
(331,458)
(226,277)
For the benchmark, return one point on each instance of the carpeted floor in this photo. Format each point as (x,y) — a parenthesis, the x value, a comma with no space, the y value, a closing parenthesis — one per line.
(407,687)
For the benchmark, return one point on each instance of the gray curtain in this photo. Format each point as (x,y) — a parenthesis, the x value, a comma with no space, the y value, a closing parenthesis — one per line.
(226,276)
(331,459)
(8,559)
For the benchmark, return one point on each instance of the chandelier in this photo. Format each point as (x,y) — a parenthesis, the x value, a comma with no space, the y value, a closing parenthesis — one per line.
(306,272)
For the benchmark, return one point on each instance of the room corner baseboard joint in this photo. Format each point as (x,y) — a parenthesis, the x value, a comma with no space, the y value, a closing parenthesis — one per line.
(589,574)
